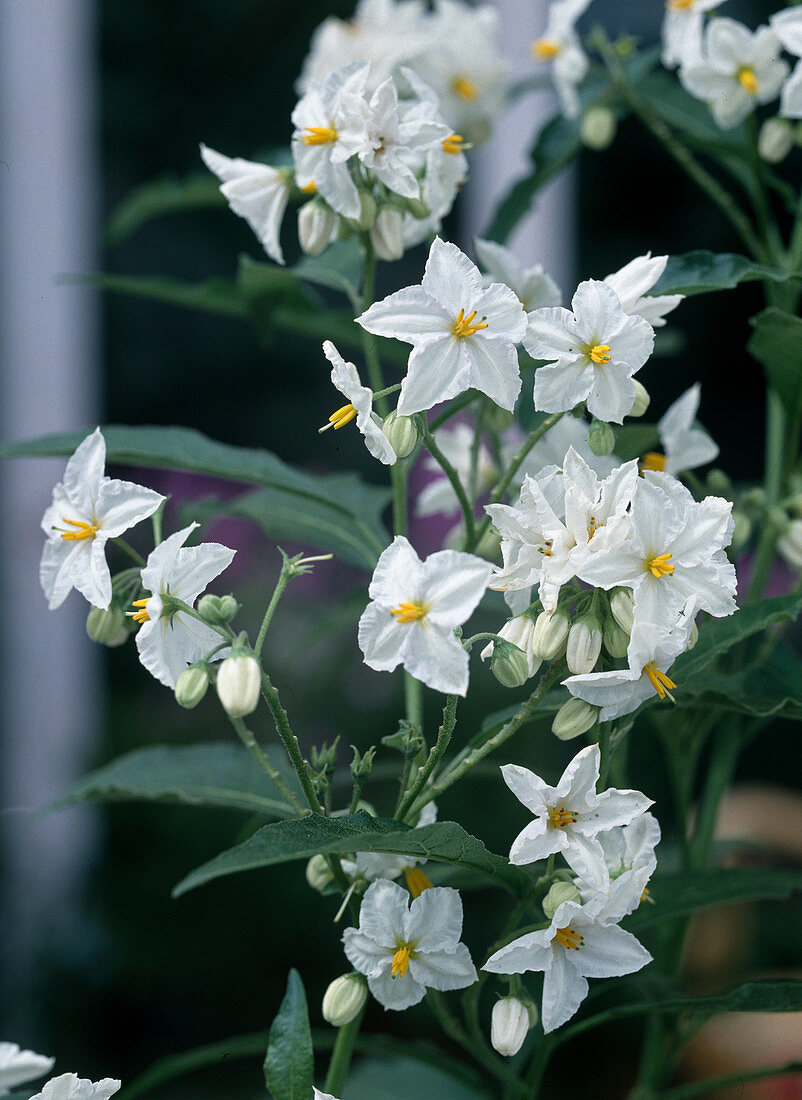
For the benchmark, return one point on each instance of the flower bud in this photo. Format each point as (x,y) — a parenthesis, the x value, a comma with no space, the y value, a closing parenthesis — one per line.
(775,140)
(789,544)
(601,438)
(616,640)
(598,127)
(550,633)
(520,631)
(642,399)
(509,664)
(239,682)
(559,893)
(386,234)
(741,530)
(217,610)
(107,626)
(584,646)
(574,718)
(509,1025)
(318,873)
(622,607)
(317,226)
(719,483)
(191,686)
(344,999)
(417,208)
(401,432)
(693,637)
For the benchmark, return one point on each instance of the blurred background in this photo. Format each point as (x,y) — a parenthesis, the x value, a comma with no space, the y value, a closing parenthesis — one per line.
(97,964)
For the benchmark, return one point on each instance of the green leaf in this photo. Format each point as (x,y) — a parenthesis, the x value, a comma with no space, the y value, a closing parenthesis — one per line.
(339,267)
(159,197)
(347,510)
(676,894)
(212,295)
(771,691)
(634,440)
(444,841)
(289,1065)
(700,272)
(777,344)
(189,1061)
(404,1079)
(215,774)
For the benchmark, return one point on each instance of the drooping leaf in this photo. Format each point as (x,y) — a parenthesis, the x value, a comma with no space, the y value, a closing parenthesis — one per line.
(701,272)
(159,197)
(404,1079)
(338,267)
(445,841)
(777,344)
(214,774)
(676,894)
(289,1066)
(765,692)
(219,296)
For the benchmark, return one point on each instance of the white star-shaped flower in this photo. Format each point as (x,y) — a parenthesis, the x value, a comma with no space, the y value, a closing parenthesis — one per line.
(685,447)
(592,353)
(682,30)
(463,335)
(169,640)
(18,1066)
(345,377)
(257,192)
(560,45)
(72,1087)
(88,509)
(787,25)
(577,945)
(632,284)
(534,288)
(403,949)
(568,817)
(631,861)
(318,1095)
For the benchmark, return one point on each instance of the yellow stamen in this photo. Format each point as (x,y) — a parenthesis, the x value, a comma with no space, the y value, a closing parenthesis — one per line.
(464,326)
(559,817)
(680,5)
(748,80)
(544,49)
(660,566)
(319,135)
(410,611)
(569,939)
(417,882)
(454,143)
(342,416)
(84,530)
(653,460)
(401,961)
(593,526)
(600,354)
(465,88)
(311,187)
(645,893)
(140,616)
(659,681)
(546,550)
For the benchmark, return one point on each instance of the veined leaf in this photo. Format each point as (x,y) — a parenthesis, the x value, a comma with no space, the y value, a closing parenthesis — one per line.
(777,344)
(677,894)
(338,267)
(289,1065)
(444,841)
(767,692)
(700,272)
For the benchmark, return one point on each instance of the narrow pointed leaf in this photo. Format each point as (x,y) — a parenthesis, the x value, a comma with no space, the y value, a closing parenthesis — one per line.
(289,1066)
(676,895)
(701,272)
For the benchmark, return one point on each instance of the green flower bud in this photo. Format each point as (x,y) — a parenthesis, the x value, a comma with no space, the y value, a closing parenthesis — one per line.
(509,664)
(642,399)
(509,1023)
(719,483)
(401,432)
(107,626)
(217,610)
(574,718)
(191,686)
(239,683)
(583,646)
(559,892)
(417,208)
(598,127)
(344,999)
(362,764)
(324,758)
(616,640)
(741,530)
(601,437)
(386,234)
(550,634)
(775,140)
(318,873)
(317,226)
(622,607)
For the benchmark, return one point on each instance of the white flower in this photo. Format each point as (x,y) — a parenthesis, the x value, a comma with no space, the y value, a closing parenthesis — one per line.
(463,335)
(560,45)
(88,509)
(787,25)
(18,1066)
(568,817)
(404,949)
(684,446)
(738,70)
(318,1095)
(257,192)
(72,1087)
(371,866)
(415,608)
(630,858)
(455,442)
(168,639)
(791,102)
(593,353)
(444,170)
(360,405)
(682,30)
(534,288)
(636,279)
(577,945)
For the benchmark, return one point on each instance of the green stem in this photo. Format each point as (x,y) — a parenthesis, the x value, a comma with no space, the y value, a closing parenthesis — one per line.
(537,1067)
(452,475)
(290,742)
(265,763)
(435,755)
(413,697)
(726,748)
(369,345)
(456,406)
(129,550)
(341,1055)
(398,477)
(454,1029)
(281,584)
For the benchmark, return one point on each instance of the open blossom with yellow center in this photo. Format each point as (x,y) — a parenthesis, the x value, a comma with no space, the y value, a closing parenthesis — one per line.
(404,946)
(560,45)
(629,852)
(88,509)
(454,144)
(545,49)
(685,444)
(465,88)
(682,30)
(345,377)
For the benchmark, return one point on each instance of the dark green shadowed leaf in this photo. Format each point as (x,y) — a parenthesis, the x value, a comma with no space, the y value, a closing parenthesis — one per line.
(211,295)
(777,344)
(160,197)
(701,272)
(678,894)
(289,1065)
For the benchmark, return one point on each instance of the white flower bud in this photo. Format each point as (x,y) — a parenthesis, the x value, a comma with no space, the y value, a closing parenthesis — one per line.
(239,682)
(789,544)
(551,631)
(317,227)
(622,607)
(344,999)
(107,626)
(191,686)
(775,140)
(598,127)
(642,399)
(318,873)
(584,646)
(509,665)
(601,438)
(616,640)
(401,432)
(386,234)
(509,1024)
(558,893)
(521,632)
(574,718)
